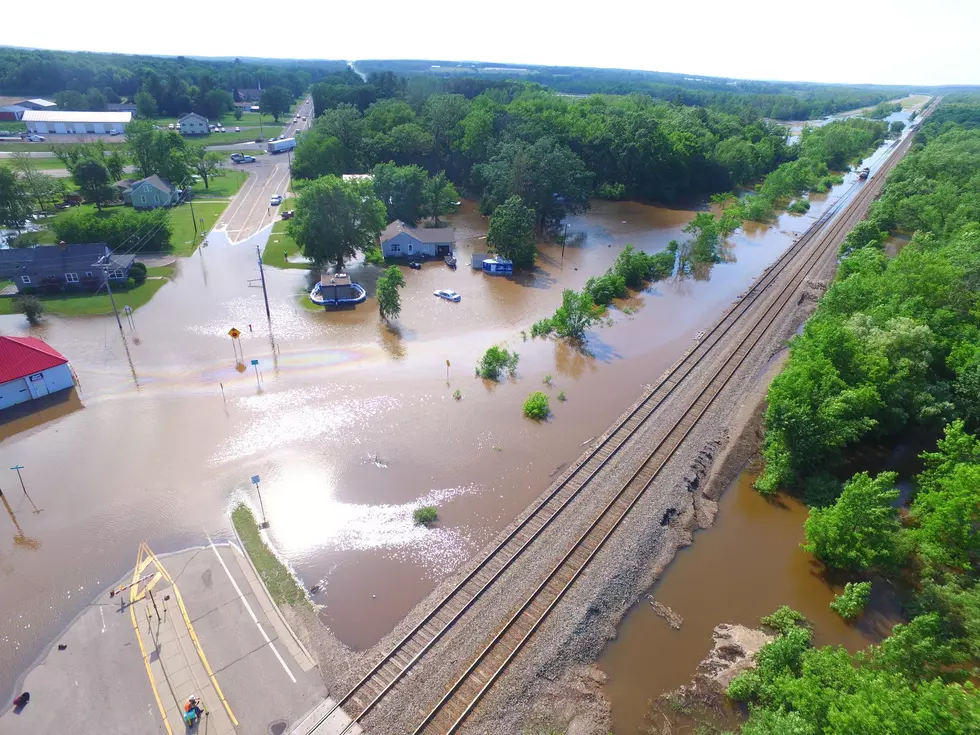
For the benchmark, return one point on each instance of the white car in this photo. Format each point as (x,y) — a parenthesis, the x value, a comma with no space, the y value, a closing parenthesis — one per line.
(171,126)
(276,200)
(32,138)
(447,295)
(238,130)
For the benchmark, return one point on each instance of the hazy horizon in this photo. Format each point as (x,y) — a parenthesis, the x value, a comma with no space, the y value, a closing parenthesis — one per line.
(835,42)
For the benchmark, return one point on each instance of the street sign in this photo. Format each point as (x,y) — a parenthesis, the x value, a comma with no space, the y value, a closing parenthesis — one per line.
(447,363)
(255,479)
(128,309)
(233,333)
(255,362)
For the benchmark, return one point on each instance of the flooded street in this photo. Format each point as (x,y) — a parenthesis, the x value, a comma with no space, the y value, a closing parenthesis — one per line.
(351,426)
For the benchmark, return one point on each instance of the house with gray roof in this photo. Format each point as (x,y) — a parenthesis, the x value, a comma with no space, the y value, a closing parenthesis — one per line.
(399,240)
(63,267)
(150,193)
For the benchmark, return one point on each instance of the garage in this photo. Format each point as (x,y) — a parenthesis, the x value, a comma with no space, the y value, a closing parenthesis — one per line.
(64,122)
(30,369)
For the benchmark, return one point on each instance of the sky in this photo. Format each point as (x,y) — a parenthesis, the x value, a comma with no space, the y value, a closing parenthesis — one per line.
(907,42)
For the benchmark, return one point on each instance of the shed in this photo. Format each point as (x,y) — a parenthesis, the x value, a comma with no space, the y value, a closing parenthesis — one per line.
(75,123)
(30,368)
(498,266)
(194,124)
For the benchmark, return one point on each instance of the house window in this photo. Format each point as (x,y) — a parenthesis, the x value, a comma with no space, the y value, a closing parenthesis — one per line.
(71,277)
(395,248)
(142,200)
(25,279)
(88,274)
(116,274)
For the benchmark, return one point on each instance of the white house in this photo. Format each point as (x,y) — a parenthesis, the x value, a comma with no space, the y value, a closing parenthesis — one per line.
(193,124)
(29,369)
(399,240)
(75,123)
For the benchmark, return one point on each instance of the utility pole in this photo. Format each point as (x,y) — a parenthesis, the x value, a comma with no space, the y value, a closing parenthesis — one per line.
(190,200)
(265,294)
(108,287)
(564,239)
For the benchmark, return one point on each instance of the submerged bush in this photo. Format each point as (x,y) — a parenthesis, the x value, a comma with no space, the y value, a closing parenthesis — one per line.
(536,406)
(850,603)
(495,361)
(425,515)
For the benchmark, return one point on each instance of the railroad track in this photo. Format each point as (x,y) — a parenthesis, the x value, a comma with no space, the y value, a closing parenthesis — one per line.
(459,701)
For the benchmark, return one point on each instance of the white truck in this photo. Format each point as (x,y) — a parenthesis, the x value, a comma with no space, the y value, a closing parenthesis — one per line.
(281,146)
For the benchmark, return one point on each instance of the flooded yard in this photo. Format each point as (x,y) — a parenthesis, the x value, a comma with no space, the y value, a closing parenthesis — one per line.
(350,423)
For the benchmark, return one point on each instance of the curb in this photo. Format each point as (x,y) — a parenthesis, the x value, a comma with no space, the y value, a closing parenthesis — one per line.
(240,548)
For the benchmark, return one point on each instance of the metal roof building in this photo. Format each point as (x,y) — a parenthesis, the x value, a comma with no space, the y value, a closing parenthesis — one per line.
(67,121)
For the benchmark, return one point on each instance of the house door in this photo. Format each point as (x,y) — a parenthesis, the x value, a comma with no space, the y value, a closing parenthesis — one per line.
(409,248)
(37,385)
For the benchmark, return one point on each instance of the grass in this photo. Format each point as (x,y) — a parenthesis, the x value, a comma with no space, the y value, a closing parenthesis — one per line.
(87,304)
(425,515)
(164,271)
(13,126)
(303,299)
(275,253)
(223,186)
(183,241)
(909,102)
(281,584)
(42,164)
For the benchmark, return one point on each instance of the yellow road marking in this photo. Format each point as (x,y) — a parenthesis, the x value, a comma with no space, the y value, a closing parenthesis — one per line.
(146,659)
(190,629)
(156,578)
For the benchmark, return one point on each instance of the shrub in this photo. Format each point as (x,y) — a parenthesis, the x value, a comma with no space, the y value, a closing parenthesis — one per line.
(561,396)
(636,267)
(29,306)
(547,379)
(784,620)
(138,272)
(800,206)
(541,328)
(603,289)
(374,256)
(850,603)
(425,515)
(615,192)
(120,228)
(495,361)
(536,406)
(457,395)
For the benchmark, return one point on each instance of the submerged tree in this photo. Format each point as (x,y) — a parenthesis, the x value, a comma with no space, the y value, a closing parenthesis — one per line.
(511,233)
(389,300)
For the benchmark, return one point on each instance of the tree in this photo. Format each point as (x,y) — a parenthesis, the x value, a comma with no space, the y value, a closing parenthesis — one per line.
(95,100)
(71,100)
(896,127)
(636,267)
(344,123)
(704,246)
(206,164)
(146,106)
(92,178)
(851,602)
(317,154)
(15,204)
(41,187)
(275,101)
(495,361)
(859,531)
(389,300)
(30,306)
(402,189)
(511,233)
(160,152)
(214,103)
(545,174)
(237,112)
(440,196)
(571,320)
(335,219)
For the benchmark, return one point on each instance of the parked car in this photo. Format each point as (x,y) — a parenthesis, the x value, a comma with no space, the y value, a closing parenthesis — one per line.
(276,200)
(113,131)
(288,214)
(33,138)
(238,129)
(447,295)
(170,126)
(415,265)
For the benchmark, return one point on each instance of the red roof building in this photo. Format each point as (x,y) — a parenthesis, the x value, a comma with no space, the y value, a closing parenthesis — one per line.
(29,368)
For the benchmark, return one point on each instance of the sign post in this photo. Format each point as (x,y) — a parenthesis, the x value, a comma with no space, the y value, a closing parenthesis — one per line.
(234,334)
(17,469)
(255,481)
(255,364)
(447,371)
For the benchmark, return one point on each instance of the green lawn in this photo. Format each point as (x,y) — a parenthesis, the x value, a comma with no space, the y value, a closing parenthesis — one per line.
(183,241)
(306,305)
(43,164)
(223,186)
(276,252)
(86,304)
(13,126)
(281,584)
(164,271)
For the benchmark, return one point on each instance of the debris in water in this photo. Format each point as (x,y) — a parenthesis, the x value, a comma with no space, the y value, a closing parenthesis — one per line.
(673,619)
(376,460)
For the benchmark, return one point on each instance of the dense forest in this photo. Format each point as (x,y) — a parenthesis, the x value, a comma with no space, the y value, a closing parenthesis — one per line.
(778,100)
(177,84)
(892,349)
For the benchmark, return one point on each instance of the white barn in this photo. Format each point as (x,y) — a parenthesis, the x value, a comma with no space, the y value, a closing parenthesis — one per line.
(30,369)
(75,123)
(193,124)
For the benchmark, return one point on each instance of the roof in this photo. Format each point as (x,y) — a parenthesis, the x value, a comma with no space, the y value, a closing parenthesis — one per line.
(68,116)
(13,108)
(193,114)
(40,102)
(20,356)
(157,183)
(55,259)
(431,235)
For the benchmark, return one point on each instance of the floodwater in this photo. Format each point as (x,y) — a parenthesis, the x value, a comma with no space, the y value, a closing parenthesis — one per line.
(349,423)
(743,567)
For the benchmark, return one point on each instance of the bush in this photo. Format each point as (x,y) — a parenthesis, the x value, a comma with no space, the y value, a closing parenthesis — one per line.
(800,206)
(458,395)
(636,267)
(615,192)
(784,620)
(120,228)
(536,406)
(561,396)
(495,361)
(138,272)
(425,515)
(29,306)
(850,603)
(603,289)
(374,256)
(542,328)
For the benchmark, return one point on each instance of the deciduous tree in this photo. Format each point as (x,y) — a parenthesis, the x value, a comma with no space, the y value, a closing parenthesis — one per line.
(440,196)
(402,189)
(389,300)
(318,154)
(206,164)
(511,233)
(15,204)
(92,178)
(275,101)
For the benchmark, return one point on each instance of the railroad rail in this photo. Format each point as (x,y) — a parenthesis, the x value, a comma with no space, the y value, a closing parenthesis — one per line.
(460,700)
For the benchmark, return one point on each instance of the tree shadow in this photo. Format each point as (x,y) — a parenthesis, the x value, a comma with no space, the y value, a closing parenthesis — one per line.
(537,277)
(393,338)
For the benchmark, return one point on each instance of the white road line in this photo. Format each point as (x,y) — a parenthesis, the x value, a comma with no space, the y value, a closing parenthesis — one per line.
(249,608)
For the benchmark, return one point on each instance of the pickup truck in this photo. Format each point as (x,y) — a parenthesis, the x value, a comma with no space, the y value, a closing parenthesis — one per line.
(242,158)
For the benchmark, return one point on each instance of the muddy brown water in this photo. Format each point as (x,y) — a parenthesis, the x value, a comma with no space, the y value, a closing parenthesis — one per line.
(352,424)
(743,567)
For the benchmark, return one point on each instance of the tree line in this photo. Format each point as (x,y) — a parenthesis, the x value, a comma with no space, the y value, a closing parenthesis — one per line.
(892,348)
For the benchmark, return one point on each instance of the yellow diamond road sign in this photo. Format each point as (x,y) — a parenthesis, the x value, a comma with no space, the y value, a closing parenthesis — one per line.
(233,333)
